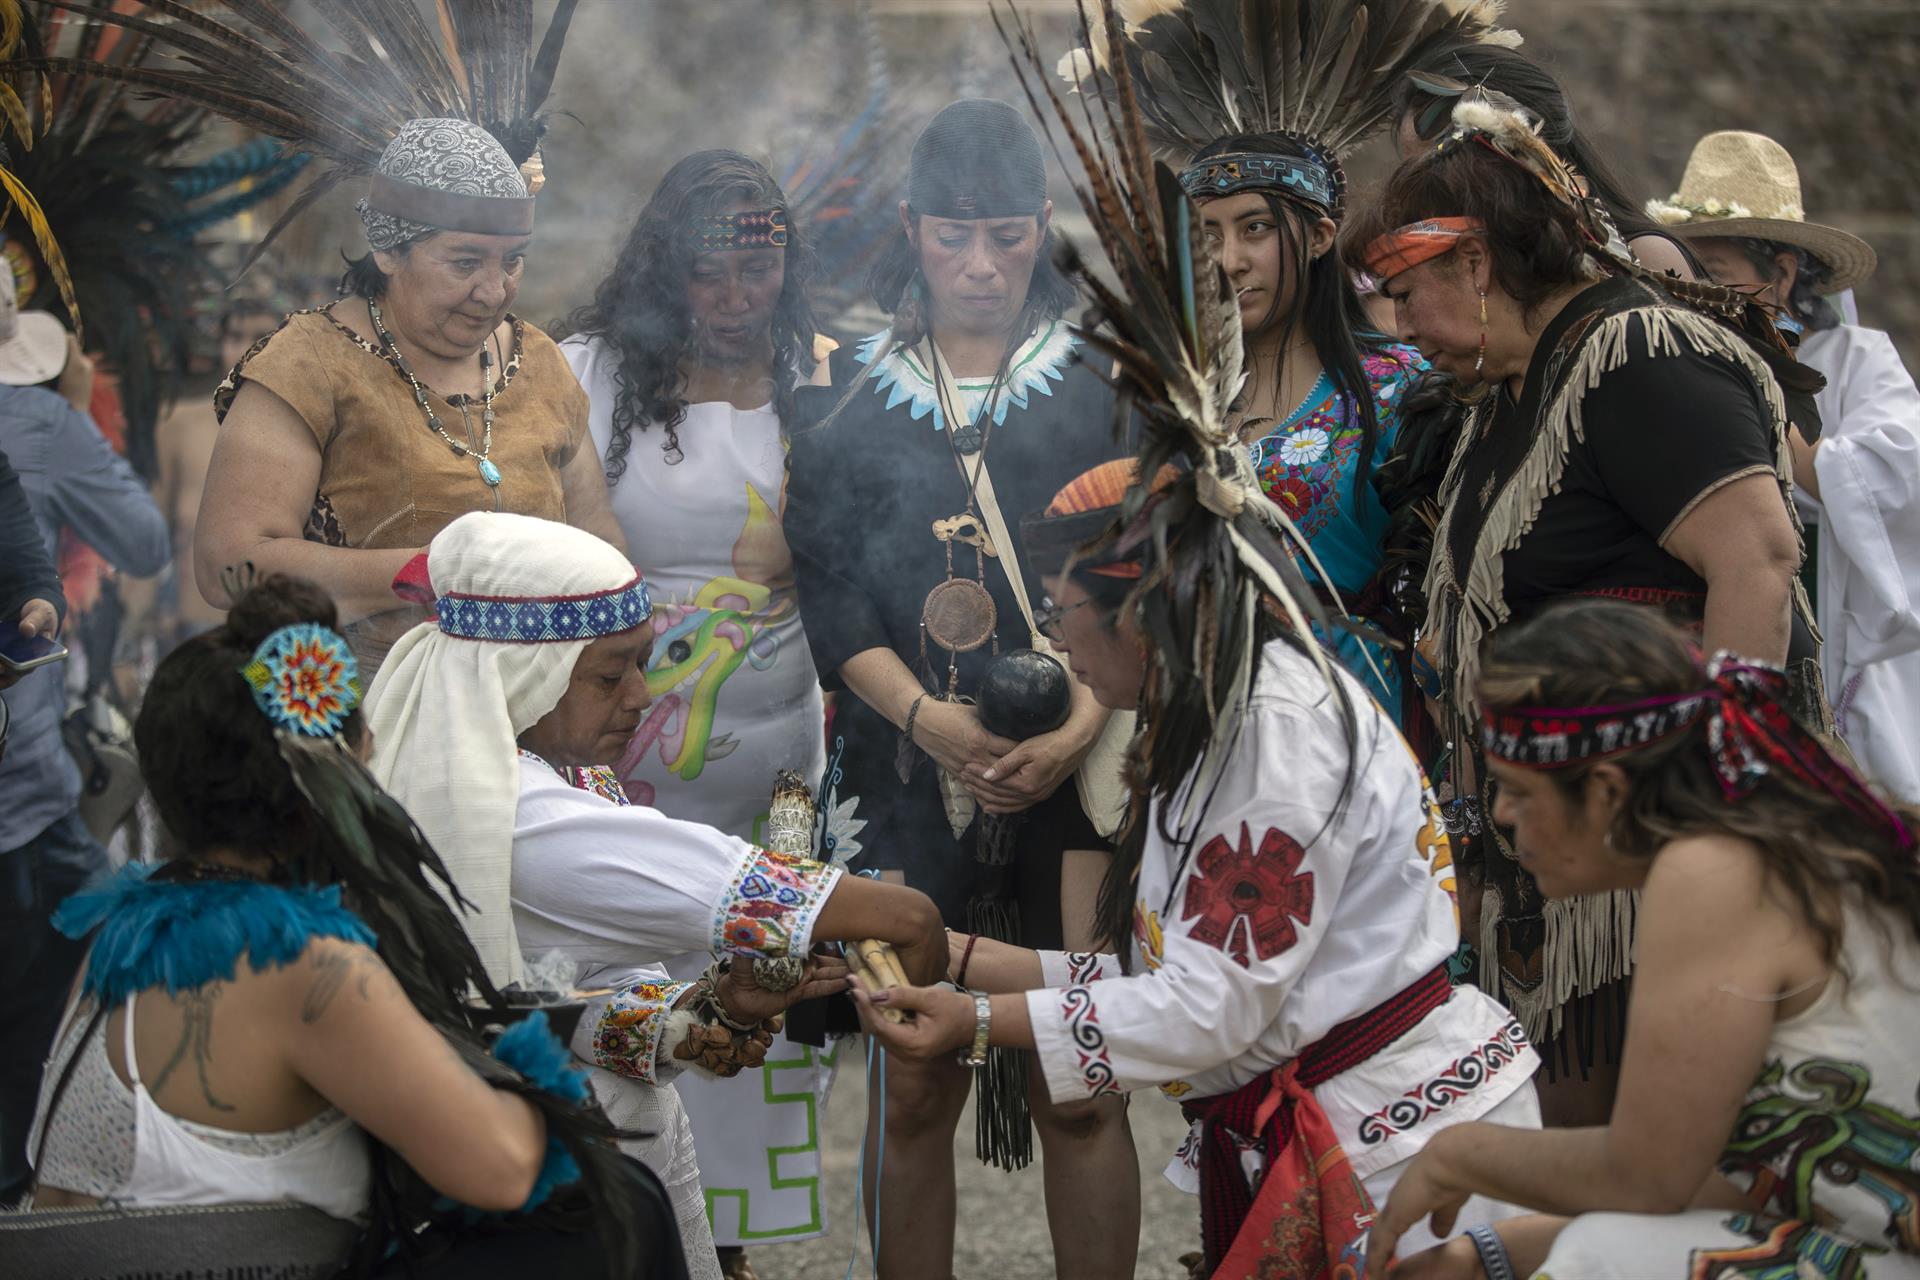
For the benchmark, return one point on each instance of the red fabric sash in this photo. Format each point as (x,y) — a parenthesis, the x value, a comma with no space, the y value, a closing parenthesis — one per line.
(1307,1218)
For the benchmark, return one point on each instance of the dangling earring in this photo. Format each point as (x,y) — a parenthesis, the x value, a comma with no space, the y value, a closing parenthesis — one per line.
(1480,361)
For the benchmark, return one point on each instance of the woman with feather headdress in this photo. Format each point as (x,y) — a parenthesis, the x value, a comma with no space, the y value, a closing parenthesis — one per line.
(1256,103)
(1629,441)
(358,431)
(1281,898)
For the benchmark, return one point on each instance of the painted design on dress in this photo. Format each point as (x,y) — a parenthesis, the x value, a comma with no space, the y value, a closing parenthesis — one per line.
(1808,1133)
(1432,843)
(627,1039)
(837,829)
(700,643)
(1306,463)
(1089,1041)
(1466,1074)
(773,894)
(1039,363)
(1245,899)
(1146,930)
(1780,1251)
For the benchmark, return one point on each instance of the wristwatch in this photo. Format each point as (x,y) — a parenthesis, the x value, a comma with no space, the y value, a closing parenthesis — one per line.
(976,1056)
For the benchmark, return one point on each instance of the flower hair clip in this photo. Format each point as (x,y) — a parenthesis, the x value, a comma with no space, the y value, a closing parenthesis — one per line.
(305,679)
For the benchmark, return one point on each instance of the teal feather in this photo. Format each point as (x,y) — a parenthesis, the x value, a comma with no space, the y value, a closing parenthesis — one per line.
(181,935)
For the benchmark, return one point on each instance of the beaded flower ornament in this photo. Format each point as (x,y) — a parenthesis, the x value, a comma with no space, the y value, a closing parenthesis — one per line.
(305,679)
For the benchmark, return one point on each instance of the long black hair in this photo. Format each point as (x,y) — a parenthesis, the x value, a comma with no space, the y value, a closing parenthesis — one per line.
(1508,71)
(222,779)
(1325,302)
(640,308)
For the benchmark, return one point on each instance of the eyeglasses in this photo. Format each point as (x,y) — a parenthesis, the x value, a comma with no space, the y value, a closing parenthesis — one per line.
(1046,619)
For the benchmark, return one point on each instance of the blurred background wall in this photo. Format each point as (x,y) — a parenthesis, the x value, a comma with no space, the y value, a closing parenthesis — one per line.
(644,82)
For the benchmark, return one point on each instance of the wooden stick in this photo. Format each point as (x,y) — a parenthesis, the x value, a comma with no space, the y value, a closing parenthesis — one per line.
(878,976)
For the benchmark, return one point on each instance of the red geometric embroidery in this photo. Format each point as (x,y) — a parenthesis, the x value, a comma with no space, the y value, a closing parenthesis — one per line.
(1267,890)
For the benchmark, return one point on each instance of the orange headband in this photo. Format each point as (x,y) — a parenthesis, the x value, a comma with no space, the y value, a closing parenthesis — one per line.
(1415,243)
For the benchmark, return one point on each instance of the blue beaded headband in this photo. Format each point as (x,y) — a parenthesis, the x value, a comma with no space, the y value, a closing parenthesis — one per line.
(304,679)
(1238,171)
(544,619)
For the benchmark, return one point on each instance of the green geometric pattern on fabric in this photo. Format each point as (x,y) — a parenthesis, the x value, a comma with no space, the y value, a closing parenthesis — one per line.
(743,1196)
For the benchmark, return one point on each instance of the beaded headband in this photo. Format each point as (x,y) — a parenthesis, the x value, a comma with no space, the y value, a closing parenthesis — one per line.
(749,229)
(1554,737)
(305,678)
(1237,171)
(544,619)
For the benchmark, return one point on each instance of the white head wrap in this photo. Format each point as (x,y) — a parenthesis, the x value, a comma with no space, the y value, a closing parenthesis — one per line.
(519,599)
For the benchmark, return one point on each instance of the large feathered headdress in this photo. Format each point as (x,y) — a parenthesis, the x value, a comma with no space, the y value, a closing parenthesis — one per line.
(1321,73)
(1219,554)
(253,62)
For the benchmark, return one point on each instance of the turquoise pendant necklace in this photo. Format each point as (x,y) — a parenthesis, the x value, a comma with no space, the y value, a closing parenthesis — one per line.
(488,472)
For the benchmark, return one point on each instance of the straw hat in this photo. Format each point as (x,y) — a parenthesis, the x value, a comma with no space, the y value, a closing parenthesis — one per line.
(33,344)
(1745,184)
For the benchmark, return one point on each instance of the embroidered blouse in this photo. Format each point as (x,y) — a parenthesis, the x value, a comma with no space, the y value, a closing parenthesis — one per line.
(1285,914)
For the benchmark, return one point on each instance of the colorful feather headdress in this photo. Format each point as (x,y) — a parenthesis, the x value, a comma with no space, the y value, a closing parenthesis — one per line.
(1219,554)
(1321,72)
(253,62)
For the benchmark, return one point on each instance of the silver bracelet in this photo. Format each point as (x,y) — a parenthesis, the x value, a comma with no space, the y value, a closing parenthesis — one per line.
(1493,1253)
(976,1056)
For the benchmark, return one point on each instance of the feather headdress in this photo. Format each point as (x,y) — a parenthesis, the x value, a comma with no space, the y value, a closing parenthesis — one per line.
(1321,71)
(252,62)
(1220,557)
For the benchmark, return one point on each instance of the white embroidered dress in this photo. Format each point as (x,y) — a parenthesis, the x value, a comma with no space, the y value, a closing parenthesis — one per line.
(1869,569)
(1285,916)
(736,699)
(618,888)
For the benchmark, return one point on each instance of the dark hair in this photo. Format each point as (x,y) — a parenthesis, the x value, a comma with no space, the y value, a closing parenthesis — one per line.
(1326,302)
(640,309)
(1805,301)
(1510,72)
(1594,653)
(364,278)
(1536,242)
(208,754)
(222,779)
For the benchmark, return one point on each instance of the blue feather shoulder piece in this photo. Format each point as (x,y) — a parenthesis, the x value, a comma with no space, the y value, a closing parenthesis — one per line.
(185,934)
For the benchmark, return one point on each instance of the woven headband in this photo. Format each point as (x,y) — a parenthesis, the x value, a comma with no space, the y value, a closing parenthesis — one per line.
(748,229)
(304,679)
(1415,243)
(1750,734)
(526,619)
(451,210)
(1237,171)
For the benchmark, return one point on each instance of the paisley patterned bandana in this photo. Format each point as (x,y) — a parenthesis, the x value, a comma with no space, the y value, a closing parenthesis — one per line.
(444,175)
(1415,243)
(305,679)
(749,229)
(1750,734)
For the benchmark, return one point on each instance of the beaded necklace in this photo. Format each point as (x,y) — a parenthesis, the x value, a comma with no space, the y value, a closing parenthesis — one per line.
(488,472)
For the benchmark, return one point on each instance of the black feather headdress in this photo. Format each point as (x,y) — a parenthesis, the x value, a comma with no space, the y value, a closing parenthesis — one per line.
(252,62)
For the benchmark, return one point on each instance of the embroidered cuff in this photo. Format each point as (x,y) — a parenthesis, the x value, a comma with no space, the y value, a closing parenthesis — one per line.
(1072,968)
(770,906)
(631,1039)
(1070,1044)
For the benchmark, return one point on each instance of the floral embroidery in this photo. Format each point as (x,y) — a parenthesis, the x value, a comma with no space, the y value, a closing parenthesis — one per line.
(771,904)
(627,1039)
(837,837)
(1467,1073)
(1090,1042)
(1305,446)
(599,779)
(904,379)
(1243,898)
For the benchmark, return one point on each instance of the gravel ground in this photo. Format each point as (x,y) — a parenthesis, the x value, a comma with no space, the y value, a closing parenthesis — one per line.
(1003,1223)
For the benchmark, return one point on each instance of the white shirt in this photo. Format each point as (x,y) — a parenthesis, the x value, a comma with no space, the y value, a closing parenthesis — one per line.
(1291,915)
(1868,462)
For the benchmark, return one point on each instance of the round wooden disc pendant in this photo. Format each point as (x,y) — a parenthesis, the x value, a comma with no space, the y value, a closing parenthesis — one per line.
(958,615)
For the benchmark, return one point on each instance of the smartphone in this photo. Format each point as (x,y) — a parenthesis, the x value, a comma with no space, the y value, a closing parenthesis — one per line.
(24,653)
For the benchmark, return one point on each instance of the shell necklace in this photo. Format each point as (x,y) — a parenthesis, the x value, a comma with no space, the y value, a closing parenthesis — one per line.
(488,472)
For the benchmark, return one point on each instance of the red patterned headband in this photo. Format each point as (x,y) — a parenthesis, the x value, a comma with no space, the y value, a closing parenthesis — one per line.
(1749,735)
(1413,244)
(749,229)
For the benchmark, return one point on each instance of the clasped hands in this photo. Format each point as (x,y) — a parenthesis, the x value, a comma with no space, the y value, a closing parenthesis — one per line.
(1003,776)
